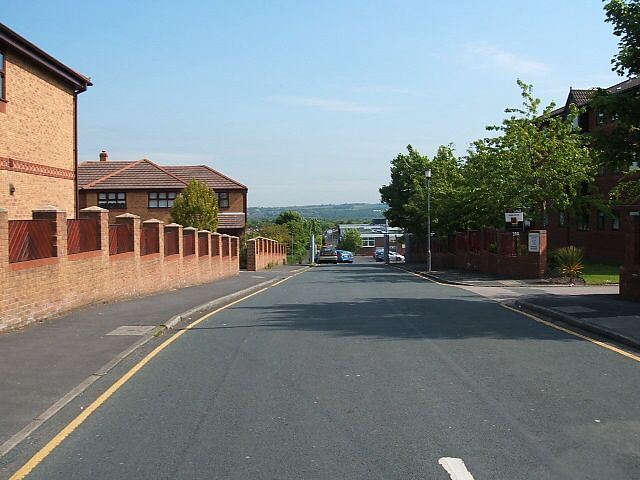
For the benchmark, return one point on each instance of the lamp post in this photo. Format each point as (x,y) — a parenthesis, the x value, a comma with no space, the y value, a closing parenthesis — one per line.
(428,175)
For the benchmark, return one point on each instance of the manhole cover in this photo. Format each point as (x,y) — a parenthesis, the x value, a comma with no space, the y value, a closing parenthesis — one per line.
(132,330)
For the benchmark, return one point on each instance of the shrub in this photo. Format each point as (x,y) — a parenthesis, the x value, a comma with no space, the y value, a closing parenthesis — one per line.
(569,261)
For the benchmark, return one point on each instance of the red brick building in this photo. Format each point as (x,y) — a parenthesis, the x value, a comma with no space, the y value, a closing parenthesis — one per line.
(147,189)
(38,128)
(601,236)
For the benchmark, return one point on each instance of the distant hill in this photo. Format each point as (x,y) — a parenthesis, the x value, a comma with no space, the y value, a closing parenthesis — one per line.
(346,211)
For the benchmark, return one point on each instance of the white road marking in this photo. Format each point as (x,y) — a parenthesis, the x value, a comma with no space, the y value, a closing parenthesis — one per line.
(456,468)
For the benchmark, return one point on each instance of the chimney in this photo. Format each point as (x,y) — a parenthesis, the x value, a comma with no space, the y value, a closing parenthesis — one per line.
(104,156)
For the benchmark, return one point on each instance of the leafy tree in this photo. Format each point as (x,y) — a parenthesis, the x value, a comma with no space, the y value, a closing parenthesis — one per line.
(624,15)
(535,162)
(196,206)
(620,147)
(351,241)
(406,194)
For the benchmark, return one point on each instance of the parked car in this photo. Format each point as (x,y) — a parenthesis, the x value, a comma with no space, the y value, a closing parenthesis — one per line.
(344,256)
(328,254)
(395,257)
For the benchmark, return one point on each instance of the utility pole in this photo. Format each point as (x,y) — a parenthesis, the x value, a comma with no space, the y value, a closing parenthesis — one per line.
(428,175)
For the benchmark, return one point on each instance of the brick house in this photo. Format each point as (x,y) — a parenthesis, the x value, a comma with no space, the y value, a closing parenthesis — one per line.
(146,189)
(601,236)
(38,128)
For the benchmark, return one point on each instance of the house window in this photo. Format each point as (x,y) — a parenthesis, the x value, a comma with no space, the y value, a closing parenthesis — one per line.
(223,199)
(368,241)
(582,222)
(615,225)
(2,80)
(112,200)
(600,118)
(600,221)
(562,219)
(161,199)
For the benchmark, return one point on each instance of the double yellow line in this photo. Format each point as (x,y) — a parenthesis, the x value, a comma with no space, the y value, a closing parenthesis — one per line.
(45,451)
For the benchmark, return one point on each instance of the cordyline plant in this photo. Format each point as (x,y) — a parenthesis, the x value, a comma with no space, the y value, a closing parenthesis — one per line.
(196,206)
(570,261)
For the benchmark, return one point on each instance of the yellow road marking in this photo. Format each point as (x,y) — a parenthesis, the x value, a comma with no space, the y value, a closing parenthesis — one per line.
(600,343)
(76,422)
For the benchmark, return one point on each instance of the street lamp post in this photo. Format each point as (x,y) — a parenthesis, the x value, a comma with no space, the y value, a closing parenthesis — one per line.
(428,175)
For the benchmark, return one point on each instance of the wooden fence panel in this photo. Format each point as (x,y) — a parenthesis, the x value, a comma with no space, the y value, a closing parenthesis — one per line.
(203,245)
(120,239)
(83,235)
(188,244)
(30,240)
(171,246)
(149,240)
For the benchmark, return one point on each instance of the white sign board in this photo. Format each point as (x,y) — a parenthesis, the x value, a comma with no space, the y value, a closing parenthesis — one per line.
(510,216)
(534,242)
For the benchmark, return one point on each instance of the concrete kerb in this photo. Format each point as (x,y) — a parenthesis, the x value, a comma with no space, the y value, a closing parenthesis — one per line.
(218,302)
(577,322)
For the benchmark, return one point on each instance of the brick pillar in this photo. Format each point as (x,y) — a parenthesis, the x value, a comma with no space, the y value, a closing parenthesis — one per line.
(59,228)
(630,271)
(541,256)
(134,225)
(100,215)
(251,255)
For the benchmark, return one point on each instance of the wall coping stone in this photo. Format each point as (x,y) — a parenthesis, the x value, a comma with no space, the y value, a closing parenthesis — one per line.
(153,220)
(189,229)
(95,208)
(204,231)
(172,225)
(49,208)
(127,215)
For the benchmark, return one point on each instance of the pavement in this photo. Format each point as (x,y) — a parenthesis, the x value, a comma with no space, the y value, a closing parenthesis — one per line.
(596,309)
(45,365)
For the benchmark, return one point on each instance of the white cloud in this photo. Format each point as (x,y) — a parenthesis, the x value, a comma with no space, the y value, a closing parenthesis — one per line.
(329,104)
(483,54)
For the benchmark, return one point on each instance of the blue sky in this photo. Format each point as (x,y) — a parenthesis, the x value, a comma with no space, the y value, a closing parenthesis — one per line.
(308,102)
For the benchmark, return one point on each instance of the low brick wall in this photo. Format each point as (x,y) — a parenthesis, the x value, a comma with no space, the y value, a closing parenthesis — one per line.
(37,289)
(265,253)
(470,251)
(630,271)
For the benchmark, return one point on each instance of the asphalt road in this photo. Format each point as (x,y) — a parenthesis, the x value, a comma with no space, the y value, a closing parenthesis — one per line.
(365,372)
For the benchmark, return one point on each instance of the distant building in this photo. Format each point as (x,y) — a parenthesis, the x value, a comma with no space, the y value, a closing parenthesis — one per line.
(38,128)
(148,190)
(373,236)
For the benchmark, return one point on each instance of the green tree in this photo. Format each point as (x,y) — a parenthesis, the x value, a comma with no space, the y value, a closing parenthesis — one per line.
(536,161)
(406,194)
(196,206)
(620,147)
(351,241)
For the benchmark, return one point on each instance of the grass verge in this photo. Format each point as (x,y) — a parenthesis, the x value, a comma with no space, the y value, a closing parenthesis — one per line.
(601,273)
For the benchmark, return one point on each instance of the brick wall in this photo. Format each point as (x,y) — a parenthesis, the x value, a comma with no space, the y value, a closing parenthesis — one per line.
(471,251)
(38,289)
(37,128)
(630,271)
(264,253)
